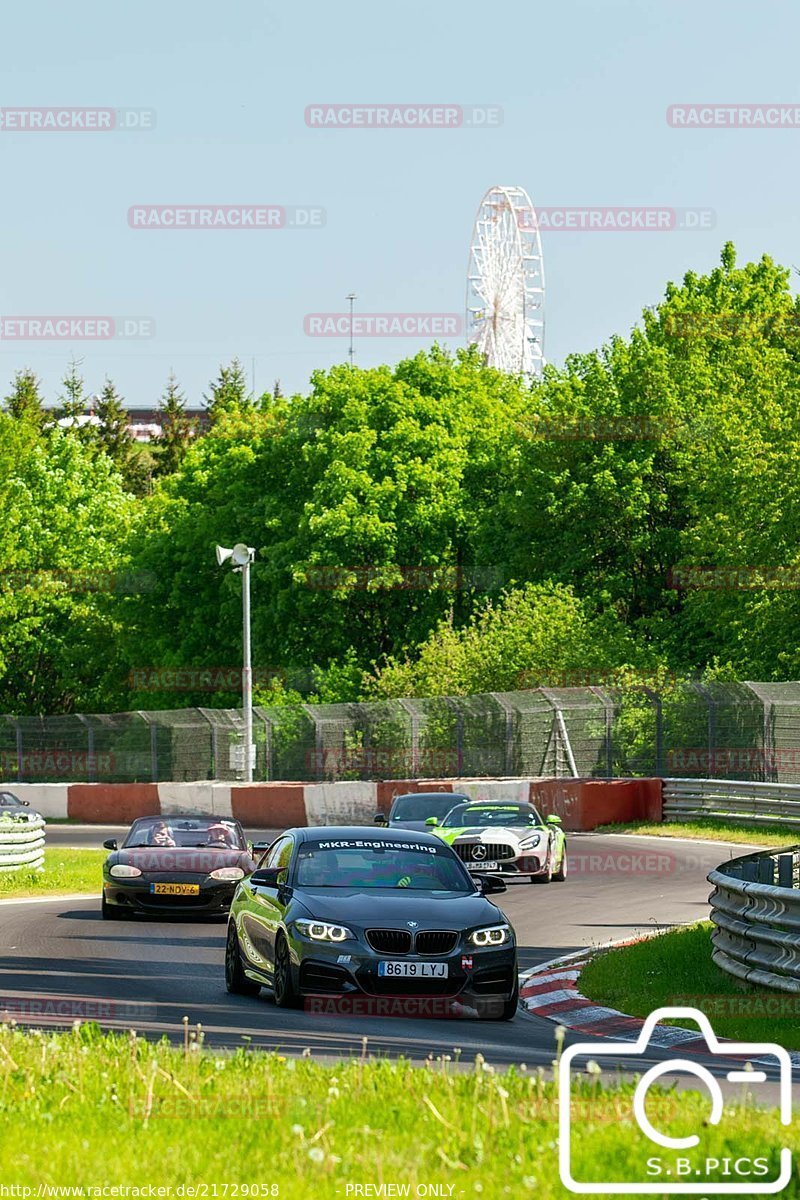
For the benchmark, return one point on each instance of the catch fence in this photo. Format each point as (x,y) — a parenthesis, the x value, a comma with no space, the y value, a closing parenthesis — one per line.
(700,730)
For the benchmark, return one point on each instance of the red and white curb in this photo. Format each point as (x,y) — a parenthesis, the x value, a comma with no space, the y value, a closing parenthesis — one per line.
(552,991)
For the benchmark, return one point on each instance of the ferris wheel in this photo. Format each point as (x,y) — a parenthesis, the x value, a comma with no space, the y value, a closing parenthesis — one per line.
(505,283)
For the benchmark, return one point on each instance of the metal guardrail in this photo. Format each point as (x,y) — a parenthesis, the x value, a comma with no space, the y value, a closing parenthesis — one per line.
(755,908)
(739,803)
(21,844)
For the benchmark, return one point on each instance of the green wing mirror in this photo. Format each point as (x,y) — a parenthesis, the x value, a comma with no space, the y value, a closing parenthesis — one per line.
(553,819)
(432,821)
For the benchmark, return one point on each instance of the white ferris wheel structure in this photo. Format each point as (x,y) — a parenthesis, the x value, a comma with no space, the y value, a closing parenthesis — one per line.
(505,283)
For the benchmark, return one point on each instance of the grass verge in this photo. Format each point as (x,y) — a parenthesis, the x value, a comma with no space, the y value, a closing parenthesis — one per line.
(101,1110)
(65,872)
(711,830)
(676,968)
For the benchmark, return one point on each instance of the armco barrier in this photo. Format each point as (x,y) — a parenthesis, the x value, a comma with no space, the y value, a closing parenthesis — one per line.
(755,908)
(735,802)
(581,803)
(21,843)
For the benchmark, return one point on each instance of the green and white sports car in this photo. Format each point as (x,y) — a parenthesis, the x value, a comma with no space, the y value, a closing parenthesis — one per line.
(506,839)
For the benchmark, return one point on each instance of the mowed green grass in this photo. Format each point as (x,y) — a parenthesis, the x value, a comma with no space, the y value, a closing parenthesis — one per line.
(712,830)
(92,1109)
(65,872)
(675,968)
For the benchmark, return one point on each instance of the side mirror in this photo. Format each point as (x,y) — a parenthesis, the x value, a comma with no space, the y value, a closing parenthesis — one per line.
(553,819)
(432,821)
(25,803)
(267,877)
(490,885)
(380,819)
(110,844)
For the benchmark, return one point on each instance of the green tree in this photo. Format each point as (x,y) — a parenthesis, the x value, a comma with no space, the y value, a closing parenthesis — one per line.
(64,518)
(24,402)
(540,635)
(72,403)
(228,393)
(177,429)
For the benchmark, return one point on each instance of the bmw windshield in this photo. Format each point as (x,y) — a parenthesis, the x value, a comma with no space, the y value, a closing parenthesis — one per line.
(355,864)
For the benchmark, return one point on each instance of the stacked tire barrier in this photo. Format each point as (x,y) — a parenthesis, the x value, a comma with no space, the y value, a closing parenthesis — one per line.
(21,844)
(737,803)
(755,908)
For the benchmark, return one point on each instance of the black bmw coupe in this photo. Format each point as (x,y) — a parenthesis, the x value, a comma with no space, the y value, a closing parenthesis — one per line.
(366,916)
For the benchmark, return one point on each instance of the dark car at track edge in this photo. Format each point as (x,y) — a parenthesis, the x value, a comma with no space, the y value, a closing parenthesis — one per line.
(362,914)
(190,864)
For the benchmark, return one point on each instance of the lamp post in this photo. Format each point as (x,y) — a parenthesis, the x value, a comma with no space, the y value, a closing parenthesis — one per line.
(241,557)
(352,297)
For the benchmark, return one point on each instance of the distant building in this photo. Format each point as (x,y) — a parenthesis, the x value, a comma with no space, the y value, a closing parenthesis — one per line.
(145,423)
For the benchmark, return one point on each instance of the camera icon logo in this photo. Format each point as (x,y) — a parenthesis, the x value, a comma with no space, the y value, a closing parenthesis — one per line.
(684,1166)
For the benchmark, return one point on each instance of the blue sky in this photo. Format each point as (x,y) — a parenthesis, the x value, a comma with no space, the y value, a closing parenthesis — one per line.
(583,86)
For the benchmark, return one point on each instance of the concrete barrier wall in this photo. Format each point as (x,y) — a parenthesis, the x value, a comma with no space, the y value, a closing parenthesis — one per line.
(582,804)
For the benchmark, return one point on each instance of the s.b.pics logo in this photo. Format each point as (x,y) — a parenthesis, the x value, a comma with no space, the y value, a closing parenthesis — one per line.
(671,1152)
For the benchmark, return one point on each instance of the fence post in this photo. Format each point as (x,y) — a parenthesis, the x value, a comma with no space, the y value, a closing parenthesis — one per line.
(509,739)
(20,748)
(409,709)
(153,744)
(261,716)
(658,710)
(608,705)
(90,764)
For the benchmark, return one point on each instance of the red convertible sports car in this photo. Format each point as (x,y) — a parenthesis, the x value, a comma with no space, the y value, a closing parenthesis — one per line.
(188,864)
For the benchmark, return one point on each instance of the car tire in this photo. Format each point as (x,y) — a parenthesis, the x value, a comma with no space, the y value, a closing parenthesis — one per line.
(561,874)
(236,981)
(509,1009)
(282,982)
(113,912)
(547,874)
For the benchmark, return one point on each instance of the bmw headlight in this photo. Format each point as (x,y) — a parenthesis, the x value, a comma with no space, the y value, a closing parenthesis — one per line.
(531,843)
(231,873)
(123,871)
(323,931)
(494,935)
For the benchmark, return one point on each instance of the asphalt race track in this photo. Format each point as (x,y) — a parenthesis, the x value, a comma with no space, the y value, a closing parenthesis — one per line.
(149,975)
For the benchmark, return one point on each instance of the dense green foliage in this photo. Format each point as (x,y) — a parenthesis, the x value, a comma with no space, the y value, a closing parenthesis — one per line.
(433,527)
